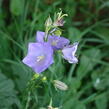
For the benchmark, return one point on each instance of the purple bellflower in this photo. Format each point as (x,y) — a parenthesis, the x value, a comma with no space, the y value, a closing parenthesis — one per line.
(69,53)
(56,42)
(39,56)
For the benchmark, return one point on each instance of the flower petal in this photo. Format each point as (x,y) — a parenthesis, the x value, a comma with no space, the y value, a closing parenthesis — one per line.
(55,41)
(58,42)
(40,36)
(73,60)
(36,50)
(69,53)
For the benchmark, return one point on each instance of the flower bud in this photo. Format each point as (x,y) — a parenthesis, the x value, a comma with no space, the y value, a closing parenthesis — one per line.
(44,78)
(60,85)
(59,22)
(57,32)
(48,22)
(35,76)
(59,19)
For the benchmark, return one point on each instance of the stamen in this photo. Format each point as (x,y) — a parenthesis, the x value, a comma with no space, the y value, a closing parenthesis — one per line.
(54,43)
(39,58)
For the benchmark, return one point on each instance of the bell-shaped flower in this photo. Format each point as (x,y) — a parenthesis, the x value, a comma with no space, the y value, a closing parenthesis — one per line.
(56,42)
(69,53)
(39,56)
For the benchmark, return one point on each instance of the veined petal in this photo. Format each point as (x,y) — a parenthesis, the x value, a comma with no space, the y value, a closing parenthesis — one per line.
(40,36)
(69,53)
(55,41)
(73,60)
(58,42)
(39,56)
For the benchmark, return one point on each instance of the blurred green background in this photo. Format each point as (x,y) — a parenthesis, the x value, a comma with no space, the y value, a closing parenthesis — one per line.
(88,81)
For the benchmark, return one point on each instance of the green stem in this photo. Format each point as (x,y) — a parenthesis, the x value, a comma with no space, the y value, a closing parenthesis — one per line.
(28,101)
(71,71)
(46,36)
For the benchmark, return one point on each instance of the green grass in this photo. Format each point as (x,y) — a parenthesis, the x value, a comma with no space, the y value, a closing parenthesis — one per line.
(88,81)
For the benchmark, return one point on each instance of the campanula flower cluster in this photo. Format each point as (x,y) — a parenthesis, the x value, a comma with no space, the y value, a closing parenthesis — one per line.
(40,54)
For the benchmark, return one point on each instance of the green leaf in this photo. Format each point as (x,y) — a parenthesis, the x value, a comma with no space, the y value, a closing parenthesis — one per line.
(84,67)
(100,78)
(73,103)
(87,62)
(101,102)
(74,34)
(7,93)
(102,32)
(74,84)
(22,75)
(4,47)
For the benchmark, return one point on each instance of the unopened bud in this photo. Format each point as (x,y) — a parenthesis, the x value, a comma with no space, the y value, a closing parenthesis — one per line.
(48,22)
(60,85)
(59,19)
(44,78)
(59,22)
(35,76)
(57,32)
